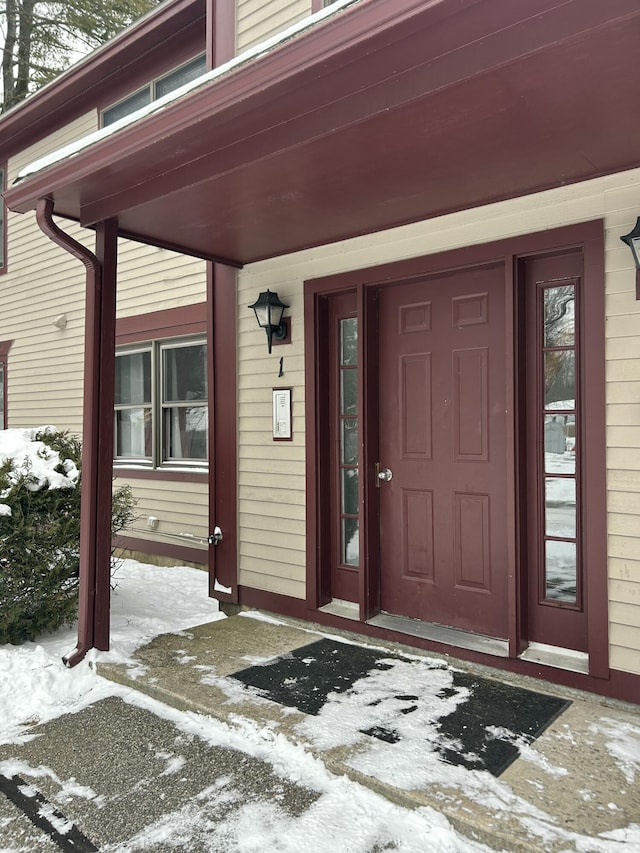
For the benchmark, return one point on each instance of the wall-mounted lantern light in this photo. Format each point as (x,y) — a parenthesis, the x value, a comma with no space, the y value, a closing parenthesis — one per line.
(269,310)
(632,239)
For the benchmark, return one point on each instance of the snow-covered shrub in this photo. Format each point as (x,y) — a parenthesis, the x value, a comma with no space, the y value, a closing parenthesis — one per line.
(40,530)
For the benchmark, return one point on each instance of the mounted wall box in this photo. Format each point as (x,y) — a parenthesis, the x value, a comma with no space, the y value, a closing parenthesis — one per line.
(282,420)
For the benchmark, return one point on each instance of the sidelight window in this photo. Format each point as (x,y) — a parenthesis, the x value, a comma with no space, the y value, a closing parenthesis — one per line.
(348,430)
(560,427)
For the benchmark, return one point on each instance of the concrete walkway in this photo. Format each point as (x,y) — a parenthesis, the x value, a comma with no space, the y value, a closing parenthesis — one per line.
(110,776)
(565,791)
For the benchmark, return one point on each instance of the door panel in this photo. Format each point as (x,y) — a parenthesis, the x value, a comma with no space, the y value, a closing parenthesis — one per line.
(442,423)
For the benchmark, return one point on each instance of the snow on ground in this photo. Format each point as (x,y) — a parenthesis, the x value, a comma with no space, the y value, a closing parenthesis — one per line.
(35,686)
(346,818)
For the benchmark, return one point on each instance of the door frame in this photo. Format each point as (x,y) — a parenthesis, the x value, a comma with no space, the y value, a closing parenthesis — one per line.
(366,282)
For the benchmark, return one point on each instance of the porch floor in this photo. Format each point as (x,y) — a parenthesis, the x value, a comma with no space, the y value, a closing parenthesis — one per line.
(564,790)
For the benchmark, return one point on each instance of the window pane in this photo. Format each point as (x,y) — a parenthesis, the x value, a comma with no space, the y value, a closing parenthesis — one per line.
(349,392)
(184,373)
(125,108)
(185,74)
(351,544)
(349,341)
(133,433)
(559,316)
(560,444)
(133,378)
(560,507)
(560,378)
(561,571)
(185,432)
(350,491)
(349,441)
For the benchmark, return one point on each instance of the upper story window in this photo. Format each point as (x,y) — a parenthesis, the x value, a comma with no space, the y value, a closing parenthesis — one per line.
(155,89)
(161,416)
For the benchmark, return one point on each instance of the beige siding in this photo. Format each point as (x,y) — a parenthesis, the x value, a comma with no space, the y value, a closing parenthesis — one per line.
(45,376)
(181,510)
(42,282)
(152,279)
(257,20)
(261,500)
(69,133)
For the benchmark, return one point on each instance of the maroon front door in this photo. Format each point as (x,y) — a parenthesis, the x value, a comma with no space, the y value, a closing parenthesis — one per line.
(442,437)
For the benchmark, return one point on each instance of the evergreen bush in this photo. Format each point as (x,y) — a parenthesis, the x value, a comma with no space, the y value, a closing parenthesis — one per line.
(40,541)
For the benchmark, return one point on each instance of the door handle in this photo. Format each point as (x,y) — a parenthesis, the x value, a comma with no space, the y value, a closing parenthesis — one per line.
(383,475)
(216,536)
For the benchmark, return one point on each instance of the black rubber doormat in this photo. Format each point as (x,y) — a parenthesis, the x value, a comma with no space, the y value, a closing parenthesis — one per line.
(483,732)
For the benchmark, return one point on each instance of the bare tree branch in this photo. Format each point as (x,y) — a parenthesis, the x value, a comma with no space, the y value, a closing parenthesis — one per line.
(40,38)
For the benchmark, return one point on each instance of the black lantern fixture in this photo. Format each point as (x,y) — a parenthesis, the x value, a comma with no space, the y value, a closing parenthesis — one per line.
(632,239)
(269,310)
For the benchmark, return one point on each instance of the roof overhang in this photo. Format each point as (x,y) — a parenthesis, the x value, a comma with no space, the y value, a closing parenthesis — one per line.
(388,112)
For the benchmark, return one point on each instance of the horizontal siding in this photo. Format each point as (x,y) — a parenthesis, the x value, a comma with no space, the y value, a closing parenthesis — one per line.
(153,279)
(257,20)
(45,375)
(616,200)
(45,368)
(182,510)
(271,581)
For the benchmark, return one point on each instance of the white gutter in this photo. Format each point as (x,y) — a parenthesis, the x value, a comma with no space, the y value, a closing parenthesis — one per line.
(159,104)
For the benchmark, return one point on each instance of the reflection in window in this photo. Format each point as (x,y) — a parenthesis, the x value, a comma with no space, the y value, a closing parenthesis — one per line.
(161,403)
(155,89)
(184,402)
(133,427)
(560,428)
(348,415)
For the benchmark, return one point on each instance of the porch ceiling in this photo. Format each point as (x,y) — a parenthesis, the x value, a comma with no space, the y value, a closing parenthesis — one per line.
(389,112)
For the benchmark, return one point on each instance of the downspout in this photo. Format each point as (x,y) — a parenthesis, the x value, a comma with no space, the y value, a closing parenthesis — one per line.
(88,506)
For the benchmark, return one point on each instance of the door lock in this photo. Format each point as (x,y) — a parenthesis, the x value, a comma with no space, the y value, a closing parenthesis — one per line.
(383,475)
(215,537)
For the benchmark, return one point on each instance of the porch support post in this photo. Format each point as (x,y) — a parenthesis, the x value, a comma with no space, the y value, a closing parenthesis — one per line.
(99,420)
(97,427)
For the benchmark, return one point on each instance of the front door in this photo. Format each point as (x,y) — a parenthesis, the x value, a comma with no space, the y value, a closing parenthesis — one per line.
(442,442)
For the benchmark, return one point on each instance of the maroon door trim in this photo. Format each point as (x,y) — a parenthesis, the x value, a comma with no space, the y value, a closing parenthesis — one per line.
(590,238)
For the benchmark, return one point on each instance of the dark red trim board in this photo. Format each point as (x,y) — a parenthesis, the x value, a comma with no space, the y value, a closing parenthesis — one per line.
(169,323)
